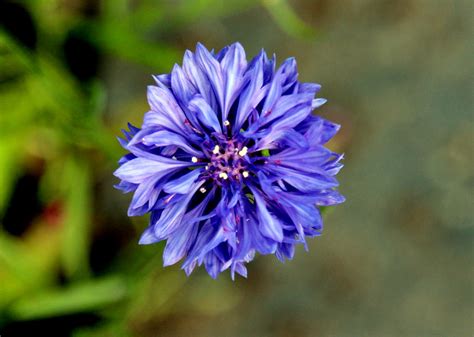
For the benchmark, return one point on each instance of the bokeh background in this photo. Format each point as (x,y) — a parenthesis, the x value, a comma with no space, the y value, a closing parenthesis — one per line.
(395,260)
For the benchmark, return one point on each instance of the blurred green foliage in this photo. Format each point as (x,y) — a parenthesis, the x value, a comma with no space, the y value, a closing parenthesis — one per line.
(394,260)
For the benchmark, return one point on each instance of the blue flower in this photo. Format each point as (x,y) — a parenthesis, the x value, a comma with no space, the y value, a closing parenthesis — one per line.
(230,161)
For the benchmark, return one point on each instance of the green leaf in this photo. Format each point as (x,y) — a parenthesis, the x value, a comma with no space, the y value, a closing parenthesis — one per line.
(87,296)
(9,168)
(77,184)
(325,210)
(266,153)
(286,18)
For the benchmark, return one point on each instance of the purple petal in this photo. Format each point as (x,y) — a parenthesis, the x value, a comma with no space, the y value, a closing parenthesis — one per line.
(211,67)
(197,77)
(205,113)
(172,216)
(213,265)
(162,101)
(303,181)
(183,184)
(146,192)
(290,72)
(289,121)
(233,65)
(165,138)
(285,104)
(321,131)
(182,88)
(178,244)
(274,93)
(208,238)
(247,100)
(285,251)
(220,55)
(268,224)
(148,237)
(163,81)
(317,102)
(138,169)
(310,88)
(310,160)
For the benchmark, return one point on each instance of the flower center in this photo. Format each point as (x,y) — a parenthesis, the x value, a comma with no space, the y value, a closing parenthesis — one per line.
(227,161)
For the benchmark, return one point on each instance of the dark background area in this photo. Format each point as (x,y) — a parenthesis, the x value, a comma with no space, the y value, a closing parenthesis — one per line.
(394,260)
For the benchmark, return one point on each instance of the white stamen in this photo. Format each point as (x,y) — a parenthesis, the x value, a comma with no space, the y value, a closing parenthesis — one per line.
(194,159)
(202,190)
(174,157)
(223,175)
(216,149)
(243,152)
(245,174)
(226,123)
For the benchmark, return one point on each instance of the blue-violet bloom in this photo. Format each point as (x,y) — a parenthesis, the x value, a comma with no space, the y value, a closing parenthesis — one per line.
(230,161)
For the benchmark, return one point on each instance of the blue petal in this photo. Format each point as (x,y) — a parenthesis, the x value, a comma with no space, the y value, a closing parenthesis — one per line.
(127,157)
(138,169)
(243,235)
(332,168)
(329,198)
(303,181)
(165,138)
(126,187)
(182,88)
(240,268)
(138,138)
(321,131)
(181,241)
(285,251)
(213,265)
(274,93)
(211,67)
(261,243)
(217,238)
(311,88)
(163,80)
(288,121)
(122,142)
(233,65)
(284,105)
(208,238)
(146,192)
(310,160)
(178,244)
(290,72)
(268,67)
(247,100)
(198,78)
(155,120)
(148,237)
(317,102)
(205,113)
(294,139)
(220,55)
(268,224)
(172,215)
(183,184)
(293,117)
(162,101)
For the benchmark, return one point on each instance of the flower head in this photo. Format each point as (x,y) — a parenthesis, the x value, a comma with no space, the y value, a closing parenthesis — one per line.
(230,161)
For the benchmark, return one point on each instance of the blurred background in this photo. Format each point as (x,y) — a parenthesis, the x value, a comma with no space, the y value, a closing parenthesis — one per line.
(395,260)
